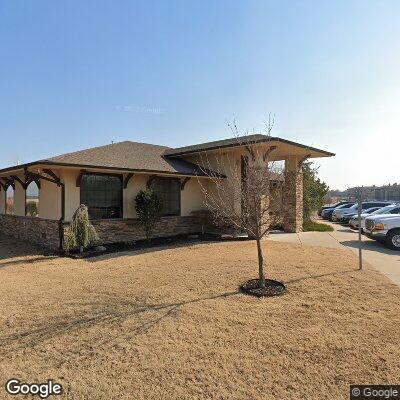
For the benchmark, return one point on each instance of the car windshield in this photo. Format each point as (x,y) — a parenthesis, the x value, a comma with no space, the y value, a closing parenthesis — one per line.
(344,206)
(383,210)
(371,210)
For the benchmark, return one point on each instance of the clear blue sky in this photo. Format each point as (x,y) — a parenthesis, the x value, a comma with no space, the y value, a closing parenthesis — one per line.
(76,74)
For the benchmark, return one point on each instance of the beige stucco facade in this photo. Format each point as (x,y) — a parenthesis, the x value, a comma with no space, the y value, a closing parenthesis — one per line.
(50,195)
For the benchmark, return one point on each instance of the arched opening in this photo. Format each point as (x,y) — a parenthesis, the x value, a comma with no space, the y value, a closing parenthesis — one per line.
(10,194)
(32,200)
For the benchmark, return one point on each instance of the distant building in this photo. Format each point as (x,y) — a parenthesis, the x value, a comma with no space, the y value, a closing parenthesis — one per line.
(386,192)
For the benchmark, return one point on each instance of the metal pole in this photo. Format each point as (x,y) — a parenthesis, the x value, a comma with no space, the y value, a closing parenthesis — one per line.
(359,228)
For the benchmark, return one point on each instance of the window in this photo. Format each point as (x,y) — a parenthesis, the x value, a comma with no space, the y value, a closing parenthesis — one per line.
(10,200)
(102,194)
(32,200)
(169,190)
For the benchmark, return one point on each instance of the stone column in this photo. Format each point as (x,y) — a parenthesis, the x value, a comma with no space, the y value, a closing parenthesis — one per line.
(293,196)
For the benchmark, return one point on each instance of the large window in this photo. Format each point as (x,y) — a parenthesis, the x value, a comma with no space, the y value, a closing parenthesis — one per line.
(169,190)
(102,194)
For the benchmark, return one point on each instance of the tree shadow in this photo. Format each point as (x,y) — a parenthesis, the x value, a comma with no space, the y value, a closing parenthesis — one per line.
(303,278)
(158,247)
(110,311)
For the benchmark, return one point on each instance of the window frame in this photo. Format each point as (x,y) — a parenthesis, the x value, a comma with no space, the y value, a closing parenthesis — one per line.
(178,180)
(120,177)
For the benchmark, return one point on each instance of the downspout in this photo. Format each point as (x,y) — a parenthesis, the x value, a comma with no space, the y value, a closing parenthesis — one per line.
(62,219)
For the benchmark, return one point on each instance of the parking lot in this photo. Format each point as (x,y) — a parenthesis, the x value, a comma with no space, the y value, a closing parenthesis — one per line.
(376,254)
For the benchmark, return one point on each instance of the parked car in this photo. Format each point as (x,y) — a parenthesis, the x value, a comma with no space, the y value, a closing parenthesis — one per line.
(389,210)
(337,215)
(341,203)
(348,217)
(384,229)
(327,213)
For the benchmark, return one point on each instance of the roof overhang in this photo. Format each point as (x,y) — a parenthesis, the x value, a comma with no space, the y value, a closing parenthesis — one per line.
(284,148)
(18,169)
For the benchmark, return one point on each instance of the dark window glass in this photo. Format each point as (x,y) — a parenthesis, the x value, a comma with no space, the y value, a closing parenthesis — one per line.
(169,190)
(102,194)
(395,211)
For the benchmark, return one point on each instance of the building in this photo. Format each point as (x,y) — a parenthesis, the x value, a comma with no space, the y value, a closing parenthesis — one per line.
(381,193)
(107,179)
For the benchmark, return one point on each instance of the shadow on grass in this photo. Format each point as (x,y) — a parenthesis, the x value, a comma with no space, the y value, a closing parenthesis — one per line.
(145,250)
(110,312)
(153,248)
(303,278)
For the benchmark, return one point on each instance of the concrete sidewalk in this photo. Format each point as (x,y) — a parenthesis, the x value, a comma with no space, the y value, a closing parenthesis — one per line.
(377,255)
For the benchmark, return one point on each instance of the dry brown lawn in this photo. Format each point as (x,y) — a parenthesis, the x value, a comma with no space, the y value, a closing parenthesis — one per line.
(170,324)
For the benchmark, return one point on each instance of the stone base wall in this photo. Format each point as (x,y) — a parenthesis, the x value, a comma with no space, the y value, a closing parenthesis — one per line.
(293,202)
(37,231)
(46,234)
(129,230)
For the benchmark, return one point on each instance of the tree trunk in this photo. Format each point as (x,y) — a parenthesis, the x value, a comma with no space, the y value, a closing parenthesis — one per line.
(261,275)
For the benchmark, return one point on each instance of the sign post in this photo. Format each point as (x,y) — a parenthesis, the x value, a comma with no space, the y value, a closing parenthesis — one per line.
(359,228)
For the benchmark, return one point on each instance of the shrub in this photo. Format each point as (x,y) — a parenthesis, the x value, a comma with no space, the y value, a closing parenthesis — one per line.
(148,208)
(81,232)
(32,208)
(310,226)
(314,191)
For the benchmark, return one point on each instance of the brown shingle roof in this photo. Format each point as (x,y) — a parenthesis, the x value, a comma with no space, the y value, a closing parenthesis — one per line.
(130,156)
(127,156)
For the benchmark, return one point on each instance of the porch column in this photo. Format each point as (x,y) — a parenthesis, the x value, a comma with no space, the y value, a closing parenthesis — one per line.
(293,196)
(19,199)
(2,200)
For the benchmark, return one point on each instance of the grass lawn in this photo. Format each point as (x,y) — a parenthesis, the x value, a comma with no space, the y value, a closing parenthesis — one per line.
(170,324)
(313,226)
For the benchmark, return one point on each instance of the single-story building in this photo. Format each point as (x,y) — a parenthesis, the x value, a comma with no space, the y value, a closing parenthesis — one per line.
(107,179)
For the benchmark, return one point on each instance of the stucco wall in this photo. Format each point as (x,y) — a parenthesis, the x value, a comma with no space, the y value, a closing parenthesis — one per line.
(136,183)
(49,200)
(50,196)
(192,198)
(72,192)
(229,164)
(19,200)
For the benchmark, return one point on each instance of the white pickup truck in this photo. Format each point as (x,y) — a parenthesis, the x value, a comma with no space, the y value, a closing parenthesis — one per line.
(385,229)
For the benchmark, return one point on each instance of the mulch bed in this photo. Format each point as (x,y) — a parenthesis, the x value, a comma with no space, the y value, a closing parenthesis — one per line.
(272,288)
(140,245)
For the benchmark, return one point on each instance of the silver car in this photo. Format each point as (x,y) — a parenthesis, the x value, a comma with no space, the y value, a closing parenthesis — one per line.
(392,209)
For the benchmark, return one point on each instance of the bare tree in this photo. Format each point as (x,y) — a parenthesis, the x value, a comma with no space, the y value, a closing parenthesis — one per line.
(250,198)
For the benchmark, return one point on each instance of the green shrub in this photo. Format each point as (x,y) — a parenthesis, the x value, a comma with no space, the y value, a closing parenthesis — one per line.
(81,232)
(148,208)
(32,209)
(314,191)
(312,226)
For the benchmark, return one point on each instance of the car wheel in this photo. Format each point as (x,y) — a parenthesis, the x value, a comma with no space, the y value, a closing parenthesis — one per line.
(393,239)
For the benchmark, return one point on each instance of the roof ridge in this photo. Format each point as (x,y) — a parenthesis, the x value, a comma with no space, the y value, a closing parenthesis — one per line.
(105,146)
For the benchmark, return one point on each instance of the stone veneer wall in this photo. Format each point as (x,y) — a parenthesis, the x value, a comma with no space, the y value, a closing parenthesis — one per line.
(37,231)
(293,202)
(129,230)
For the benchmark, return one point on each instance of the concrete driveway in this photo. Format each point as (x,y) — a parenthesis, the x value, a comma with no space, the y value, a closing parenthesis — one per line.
(377,255)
